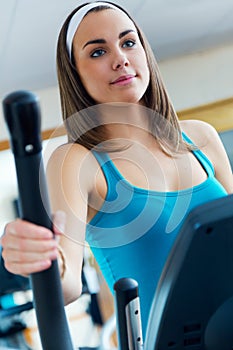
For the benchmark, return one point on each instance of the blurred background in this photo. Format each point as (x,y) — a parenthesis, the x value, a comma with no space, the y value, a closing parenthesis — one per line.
(192,41)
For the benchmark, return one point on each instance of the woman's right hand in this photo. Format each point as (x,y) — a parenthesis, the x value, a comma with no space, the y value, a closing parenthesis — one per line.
(27,248)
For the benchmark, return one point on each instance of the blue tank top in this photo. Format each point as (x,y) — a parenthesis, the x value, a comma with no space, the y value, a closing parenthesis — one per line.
(134,230)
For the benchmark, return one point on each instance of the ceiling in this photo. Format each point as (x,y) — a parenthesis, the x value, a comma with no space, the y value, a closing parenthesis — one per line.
(29,30)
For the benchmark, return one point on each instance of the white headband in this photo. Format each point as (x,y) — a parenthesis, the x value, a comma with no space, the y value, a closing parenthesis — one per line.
(76,20)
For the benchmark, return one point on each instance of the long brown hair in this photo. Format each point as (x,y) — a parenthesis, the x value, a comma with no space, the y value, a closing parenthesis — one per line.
(76,103)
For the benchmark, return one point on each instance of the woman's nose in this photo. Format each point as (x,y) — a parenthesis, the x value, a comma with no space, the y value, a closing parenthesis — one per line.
(120,61)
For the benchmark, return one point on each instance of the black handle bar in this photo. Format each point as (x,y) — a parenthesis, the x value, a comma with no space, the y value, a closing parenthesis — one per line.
(128,314)
(22,115)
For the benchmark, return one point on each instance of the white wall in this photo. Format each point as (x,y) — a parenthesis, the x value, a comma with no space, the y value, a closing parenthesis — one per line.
(199,79)
(191,81)
(50,111)
(8,187)
(8,180)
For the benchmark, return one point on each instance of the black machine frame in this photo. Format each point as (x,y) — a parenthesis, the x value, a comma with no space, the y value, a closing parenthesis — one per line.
(193,304)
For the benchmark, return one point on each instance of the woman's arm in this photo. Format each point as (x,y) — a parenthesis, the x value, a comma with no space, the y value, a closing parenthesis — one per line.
(69,186)
(29,248)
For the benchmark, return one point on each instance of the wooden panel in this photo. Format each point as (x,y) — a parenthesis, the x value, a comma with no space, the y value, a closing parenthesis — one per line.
(46,134)
(4,145)
(218,114)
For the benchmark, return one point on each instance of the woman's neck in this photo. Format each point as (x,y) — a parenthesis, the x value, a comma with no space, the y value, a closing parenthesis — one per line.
(125,121)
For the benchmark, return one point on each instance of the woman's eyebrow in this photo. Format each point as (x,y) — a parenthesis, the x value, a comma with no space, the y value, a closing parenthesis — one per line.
(125,33)
(95,41)
(103,41)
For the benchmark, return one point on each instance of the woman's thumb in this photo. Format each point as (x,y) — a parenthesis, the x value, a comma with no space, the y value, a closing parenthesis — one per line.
(59,222)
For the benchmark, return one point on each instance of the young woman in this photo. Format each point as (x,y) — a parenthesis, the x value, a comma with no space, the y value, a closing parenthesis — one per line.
(130,173)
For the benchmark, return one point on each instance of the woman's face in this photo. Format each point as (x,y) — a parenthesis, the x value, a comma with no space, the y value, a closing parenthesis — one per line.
(109,57)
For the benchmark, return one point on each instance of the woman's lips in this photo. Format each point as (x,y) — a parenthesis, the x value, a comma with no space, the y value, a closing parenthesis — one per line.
(123,80)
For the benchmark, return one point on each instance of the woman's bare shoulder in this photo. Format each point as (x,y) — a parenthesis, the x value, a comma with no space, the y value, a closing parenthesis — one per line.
(208,140)
(71,160)
(71,153)
(200,132)
(69,150)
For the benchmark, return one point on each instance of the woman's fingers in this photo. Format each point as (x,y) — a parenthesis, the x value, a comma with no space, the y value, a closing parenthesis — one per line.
(27,248)
(29,255)
(27,268)
(25,229)
(17,243)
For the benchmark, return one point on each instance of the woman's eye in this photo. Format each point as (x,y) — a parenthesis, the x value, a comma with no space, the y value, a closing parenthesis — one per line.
(98,53)
(129,43)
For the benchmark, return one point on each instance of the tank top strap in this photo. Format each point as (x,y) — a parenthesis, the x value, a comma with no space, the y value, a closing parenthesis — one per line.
(111,177)
(201,157)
